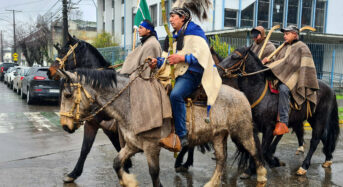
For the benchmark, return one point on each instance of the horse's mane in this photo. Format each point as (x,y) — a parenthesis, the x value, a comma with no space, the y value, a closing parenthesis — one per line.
(102,60)
(98,78)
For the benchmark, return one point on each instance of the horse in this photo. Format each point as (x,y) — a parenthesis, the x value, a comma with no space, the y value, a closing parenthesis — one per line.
(324,120)
(76,54)
(230,115)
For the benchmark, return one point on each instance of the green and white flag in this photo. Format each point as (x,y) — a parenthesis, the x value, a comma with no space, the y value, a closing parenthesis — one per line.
(142,13)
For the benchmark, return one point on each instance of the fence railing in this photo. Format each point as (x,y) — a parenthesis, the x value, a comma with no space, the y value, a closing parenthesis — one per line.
(328,58)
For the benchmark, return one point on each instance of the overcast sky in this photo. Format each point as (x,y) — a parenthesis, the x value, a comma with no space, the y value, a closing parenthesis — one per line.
(30,9)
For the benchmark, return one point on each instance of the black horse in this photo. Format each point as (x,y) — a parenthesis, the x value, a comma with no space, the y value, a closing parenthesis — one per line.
(85,55)
(324,120)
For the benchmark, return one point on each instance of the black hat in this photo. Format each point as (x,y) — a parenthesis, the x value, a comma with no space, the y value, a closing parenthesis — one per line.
(291,28)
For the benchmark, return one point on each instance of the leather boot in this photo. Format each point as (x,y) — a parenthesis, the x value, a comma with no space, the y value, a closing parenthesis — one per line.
(280,129)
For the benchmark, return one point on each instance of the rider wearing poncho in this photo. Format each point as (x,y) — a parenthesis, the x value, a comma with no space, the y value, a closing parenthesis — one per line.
(294,67)
(259,35)
(148,113)
(193,65)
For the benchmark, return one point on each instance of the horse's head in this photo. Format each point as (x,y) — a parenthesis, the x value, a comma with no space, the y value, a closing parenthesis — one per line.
(76,101)
(66,57)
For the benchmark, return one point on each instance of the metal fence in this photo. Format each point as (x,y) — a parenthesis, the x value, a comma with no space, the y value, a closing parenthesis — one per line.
(328,58)
(114,55)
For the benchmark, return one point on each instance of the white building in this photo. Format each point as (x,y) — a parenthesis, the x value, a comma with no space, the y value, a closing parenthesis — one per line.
(116,16)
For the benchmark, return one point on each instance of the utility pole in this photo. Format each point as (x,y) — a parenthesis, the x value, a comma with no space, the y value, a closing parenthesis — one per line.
(65,22)
(14,36)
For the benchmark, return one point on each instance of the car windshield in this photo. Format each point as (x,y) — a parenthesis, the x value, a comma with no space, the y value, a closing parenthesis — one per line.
(42,72)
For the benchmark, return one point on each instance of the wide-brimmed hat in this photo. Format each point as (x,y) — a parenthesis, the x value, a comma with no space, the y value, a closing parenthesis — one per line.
(291,28)
(258,30)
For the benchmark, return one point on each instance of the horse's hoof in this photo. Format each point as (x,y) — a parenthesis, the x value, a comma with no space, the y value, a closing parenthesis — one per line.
(181,169)
(301,171)
(327,164)
(68,179)
(300,150)
(261,184)
(244,176)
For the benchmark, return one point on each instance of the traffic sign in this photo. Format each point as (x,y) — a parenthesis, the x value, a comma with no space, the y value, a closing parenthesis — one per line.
(15,57)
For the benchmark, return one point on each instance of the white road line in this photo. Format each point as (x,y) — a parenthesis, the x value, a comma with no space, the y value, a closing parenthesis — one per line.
(39,121)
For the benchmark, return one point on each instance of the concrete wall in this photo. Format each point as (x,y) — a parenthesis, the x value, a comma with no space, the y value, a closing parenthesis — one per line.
(335,14)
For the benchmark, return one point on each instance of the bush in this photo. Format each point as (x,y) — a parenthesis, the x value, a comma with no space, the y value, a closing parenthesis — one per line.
(104,39)
(221,48)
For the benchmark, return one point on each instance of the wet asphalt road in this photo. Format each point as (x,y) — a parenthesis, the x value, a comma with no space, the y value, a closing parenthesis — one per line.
(35,151)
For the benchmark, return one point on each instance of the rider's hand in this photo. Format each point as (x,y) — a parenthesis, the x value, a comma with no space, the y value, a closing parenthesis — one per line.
(176,58)
(265,60)
(153,63)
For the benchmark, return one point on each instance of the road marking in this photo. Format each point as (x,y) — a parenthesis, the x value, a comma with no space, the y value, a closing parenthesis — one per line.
(39,121)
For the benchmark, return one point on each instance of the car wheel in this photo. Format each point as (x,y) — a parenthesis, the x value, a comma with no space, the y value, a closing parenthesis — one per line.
(15,90)
(18,91)
(22,95)
(29,98)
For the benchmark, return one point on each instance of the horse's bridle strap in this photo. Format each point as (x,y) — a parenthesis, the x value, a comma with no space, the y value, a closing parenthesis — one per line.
(71,50)
(261,96)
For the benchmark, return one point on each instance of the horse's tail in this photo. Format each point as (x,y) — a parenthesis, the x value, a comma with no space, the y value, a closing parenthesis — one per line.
(243,155)
(331,131)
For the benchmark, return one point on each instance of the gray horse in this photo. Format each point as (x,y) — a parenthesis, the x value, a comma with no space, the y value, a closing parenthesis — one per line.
(230,115)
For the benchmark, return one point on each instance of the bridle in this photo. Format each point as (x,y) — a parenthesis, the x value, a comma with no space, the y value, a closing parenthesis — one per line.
(71,50)
(75,110)
(239,67)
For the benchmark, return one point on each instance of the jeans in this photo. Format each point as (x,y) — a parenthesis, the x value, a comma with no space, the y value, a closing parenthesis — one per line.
(284,103)
(185,85)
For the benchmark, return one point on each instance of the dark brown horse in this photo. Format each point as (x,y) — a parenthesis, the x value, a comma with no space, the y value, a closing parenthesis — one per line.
(324,120)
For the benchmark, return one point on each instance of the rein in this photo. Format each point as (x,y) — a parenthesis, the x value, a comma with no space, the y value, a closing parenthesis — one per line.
(91,116)
(71,50)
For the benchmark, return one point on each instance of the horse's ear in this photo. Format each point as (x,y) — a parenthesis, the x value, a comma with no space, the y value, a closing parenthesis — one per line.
(57,47)
(69,38)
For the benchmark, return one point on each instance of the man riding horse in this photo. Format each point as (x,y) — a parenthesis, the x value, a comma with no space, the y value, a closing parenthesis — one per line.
(259,36)
(193,65)
(294,68)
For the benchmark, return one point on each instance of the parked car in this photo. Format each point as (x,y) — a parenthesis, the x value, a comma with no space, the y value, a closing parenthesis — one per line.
(18,79)
(36,85)
(9,70)
(10,76)
(4,67)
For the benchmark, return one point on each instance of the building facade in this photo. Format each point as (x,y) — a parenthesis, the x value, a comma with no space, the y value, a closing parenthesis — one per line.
(116,16)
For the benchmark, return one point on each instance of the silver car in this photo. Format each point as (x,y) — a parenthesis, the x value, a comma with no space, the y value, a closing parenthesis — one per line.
(22,72)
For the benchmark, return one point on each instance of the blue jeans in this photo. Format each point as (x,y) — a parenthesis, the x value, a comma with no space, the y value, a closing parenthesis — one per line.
(283,103)
(185,85)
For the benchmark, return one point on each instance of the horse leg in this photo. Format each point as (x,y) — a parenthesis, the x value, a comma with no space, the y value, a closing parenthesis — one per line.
(299,132)
(125,179)
(179,159)
(251,145)
(190,159)
(276,160)
(220,147)
(316,135)
(267,139)
(114,138)
(90,132)
(152,154)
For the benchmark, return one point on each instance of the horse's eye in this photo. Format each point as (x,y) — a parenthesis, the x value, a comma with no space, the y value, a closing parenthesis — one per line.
(235,56)
(68,95)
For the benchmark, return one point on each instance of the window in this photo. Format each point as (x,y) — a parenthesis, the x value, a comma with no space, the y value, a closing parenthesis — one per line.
(247,18)
(263,13)
(320,15)
(278,12)
(292,12)
(167,11)
(230,18)
(153,14)
(122,25)
(306,13)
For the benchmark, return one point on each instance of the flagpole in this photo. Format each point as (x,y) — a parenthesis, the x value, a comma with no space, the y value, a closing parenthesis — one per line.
(135,32)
